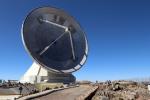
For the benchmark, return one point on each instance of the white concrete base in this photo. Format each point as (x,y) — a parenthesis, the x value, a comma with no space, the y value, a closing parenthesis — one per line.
(32,73)
(148,87)
(38,74)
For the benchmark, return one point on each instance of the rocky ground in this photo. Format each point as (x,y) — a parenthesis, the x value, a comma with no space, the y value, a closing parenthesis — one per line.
(122,91)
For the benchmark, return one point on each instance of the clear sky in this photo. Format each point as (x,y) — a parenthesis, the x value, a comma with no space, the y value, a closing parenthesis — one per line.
(118,33)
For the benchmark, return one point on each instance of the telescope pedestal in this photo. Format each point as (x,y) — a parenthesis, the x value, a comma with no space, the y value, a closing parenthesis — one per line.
(38,74)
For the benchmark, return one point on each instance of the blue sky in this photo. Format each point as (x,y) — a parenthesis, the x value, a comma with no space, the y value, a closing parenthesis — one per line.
(118,33)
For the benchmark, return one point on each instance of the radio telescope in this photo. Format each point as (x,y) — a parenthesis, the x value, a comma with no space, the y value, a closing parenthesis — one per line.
(56,43)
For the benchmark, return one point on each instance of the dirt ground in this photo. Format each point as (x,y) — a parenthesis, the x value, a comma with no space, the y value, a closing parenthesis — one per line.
(67,94)
(122,91)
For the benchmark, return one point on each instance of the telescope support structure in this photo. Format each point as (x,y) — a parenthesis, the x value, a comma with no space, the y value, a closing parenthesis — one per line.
(38,74)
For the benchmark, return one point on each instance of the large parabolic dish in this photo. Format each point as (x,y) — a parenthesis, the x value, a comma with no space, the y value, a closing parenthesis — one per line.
(55,40)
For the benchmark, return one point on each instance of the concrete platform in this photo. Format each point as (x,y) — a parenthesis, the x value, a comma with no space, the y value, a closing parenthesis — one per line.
(8,97)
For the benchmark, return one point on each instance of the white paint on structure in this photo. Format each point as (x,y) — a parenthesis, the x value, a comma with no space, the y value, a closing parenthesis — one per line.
(32,73)
(149,87)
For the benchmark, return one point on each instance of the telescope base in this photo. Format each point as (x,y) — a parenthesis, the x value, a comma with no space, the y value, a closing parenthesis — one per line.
(38,74)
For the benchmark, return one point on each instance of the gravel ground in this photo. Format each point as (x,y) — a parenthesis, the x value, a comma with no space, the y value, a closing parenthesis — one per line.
(129,91)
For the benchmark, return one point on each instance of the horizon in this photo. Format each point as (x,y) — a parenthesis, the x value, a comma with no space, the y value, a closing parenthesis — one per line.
(118,34)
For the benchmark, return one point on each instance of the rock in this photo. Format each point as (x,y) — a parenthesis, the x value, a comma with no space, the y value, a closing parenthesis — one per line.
(122,90)
(103,98)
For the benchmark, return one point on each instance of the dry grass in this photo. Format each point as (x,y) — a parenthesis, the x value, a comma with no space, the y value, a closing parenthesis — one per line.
(43,86)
